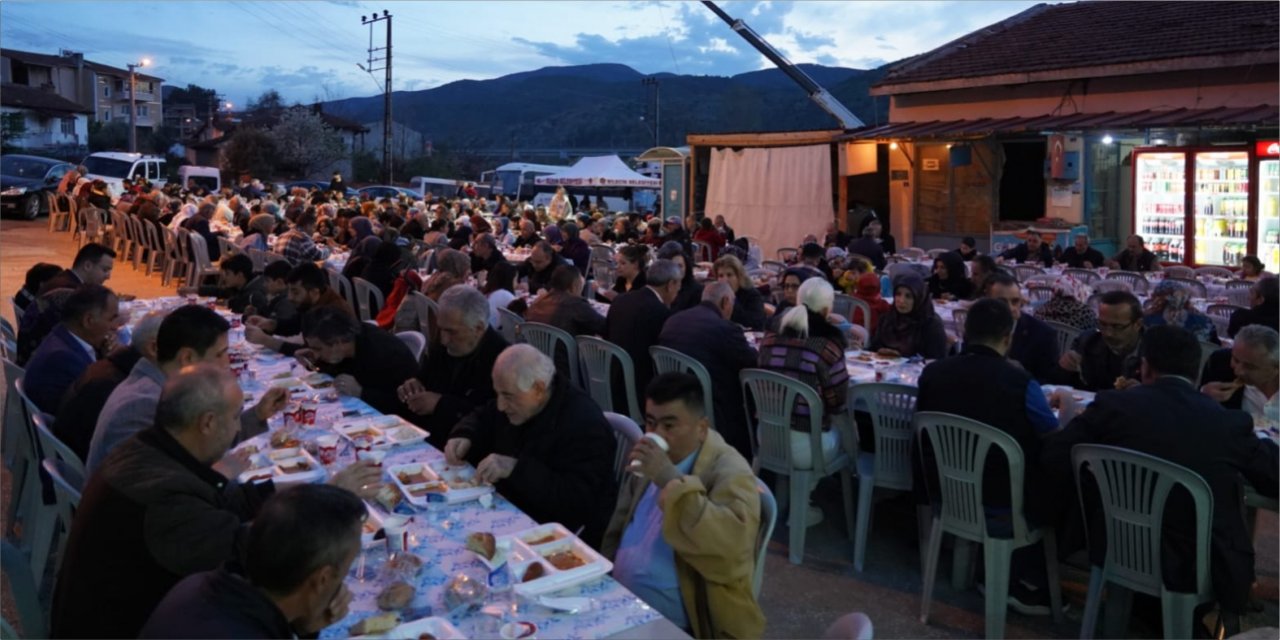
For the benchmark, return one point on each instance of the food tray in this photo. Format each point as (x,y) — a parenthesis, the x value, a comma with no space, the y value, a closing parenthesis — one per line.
(281,465)
(372,525)
(522,554)
(436,627)
(383,431)
(436,484)
(870,359)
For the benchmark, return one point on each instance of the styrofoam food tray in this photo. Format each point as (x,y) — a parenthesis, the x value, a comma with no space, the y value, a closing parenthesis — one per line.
(521,554)
(415,491)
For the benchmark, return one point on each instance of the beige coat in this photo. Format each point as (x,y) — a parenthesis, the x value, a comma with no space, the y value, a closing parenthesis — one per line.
(711,519)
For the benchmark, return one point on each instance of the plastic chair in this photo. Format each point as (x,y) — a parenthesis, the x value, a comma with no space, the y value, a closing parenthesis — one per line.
(25,592)
(842,305)
(960,448)
(851,626)
(342,285)
(156,255)
(912,253)
(509,324)
(1065,333)
(364,290)
(788,254)
(551,341)
(175,263)
(934,253)
(599,357)
(1087,276)
(1024,271)
(1038,293)
(1219,272)
(1179,271)
(668,360)
(1133,488)
(202,267)
(416,342)
(1198,290)
(770,265)
(1136,281)
(39,521)
(18,449)
(895,270)
(959,316)
(891,407)
(59,218)
(768,521)
(627,433)
(7,329)
(775,396)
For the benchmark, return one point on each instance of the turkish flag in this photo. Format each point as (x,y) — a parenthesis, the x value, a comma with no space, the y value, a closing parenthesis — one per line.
(1056,152)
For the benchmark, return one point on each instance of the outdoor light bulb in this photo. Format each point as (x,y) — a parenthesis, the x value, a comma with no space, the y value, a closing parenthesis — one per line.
(146,62)
(1107,139)
(893,145)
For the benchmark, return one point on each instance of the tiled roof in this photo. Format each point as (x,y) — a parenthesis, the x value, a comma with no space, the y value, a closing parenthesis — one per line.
(1260,115)
(48,60)
(1090,34)
(24,97)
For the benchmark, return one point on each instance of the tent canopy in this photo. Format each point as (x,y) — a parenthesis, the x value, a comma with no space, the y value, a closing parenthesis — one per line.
(599,171)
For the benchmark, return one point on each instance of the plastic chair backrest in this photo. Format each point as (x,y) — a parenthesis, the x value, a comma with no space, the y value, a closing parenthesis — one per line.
(1220,272)
(859,303)
(851,626)
(960,448)
(842,305)
(668,360)
(14,433)
(775,396)
(1134,489)
(598,359)
(551,341)
(22,586)
(1024,271)
(1065,333)
(895,270)
(1198,290)
(934,253)
(1136,281)
(891,407)
(1222,310)
(768,520)
(5,327)
(1039,292)
(421,311)
(416,342)
(1238,284)
(200,252)
(344,287)
(509,324)
(786,254)
(626,433)
(913,253)
(1087,276)
(55,449)
(773,265)
(364,290)
(959,316)
(1179,271)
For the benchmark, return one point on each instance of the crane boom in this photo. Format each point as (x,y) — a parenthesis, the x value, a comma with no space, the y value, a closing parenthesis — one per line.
(821,96)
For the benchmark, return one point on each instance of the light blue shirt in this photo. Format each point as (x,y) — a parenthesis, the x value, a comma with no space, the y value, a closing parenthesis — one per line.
(645,563)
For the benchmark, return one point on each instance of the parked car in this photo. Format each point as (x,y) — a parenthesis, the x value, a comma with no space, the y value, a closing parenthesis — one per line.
(381,191)
(113,167)
(27,181)
(317,184)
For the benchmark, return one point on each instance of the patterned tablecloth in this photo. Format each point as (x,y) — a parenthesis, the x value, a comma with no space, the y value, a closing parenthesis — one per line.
(438,535)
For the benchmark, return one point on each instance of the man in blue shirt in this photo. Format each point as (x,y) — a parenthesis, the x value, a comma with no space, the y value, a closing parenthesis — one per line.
(683,534)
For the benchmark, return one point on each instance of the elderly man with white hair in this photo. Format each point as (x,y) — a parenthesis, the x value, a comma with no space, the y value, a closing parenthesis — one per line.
(1247,376)
(543,442)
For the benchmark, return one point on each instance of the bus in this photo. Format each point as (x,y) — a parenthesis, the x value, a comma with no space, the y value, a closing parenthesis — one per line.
(515,179)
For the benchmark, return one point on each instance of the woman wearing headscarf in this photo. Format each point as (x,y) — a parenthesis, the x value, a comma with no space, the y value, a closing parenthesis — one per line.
(1170,304)
(383,267)
(360,256)
(260,227)
(690,294)
(361,228)
(950,281)
(1069,305)
(911,327)
(573,248)
(867,289)
(461,238)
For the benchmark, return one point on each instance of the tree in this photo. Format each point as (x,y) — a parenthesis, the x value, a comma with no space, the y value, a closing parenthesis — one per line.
(270,100)
(304,143)
(250,151)
(109,136)
(199,97)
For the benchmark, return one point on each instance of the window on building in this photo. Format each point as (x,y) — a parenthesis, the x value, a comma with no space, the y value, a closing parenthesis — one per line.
(1104,189)
(106,115)
(144,111)
(124,110)
(69,126)
(106,91)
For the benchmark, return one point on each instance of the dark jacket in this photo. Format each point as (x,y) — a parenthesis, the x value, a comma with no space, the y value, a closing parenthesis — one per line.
(1035,347)
(1145,261)
(577,253)
(54,367)
(1218,369)
(478,264)
(1266,314)
(568,312)
(463,383)
(748,307)
(216,604)
(869,249)
(280,309)
(82,403)
(634,323)
(564,468)
(201,226)
(702,334)
(151,515)
(254,292)
(1099,366)
(382,363)
(1022,253)
(1076,260)
(1171,420)
(538,279)
(689,297)
(982,385)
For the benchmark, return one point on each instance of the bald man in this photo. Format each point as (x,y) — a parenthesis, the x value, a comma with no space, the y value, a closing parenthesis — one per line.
(156,510)
(543,442)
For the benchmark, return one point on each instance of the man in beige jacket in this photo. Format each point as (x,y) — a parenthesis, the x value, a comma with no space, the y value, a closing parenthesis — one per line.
(683,534)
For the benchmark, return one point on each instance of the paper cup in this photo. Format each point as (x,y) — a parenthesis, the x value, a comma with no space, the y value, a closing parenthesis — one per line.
(658,440)
(327,448)
(372,455)
(396,528)
(308,414)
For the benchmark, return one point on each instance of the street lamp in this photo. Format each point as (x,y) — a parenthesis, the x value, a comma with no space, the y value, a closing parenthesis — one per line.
(133,103)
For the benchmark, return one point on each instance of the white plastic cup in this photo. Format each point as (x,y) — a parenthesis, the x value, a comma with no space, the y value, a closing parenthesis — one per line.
(327,447)
(372,455)
(396,528)
(658,440)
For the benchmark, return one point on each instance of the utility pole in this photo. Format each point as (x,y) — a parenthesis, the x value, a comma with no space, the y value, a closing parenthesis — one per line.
(657,108)
(133,103)
(386,91)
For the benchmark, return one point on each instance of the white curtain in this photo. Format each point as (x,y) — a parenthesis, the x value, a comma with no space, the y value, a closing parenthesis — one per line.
(776,195)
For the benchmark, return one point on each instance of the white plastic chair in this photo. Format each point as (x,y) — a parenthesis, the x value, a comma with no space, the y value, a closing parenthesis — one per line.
(551,341)
(363,291)
(1087,276)
(768,521)
(851,626)
(509,323)
(891,407)
(627,434)
(599,357)
(1198,290)
(416,342)
(1136,281)
(1024,271)
(1220,272)
(1179,271)
(668,360)
(1065,333)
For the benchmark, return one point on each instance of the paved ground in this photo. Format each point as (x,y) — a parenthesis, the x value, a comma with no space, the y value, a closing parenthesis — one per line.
(799,601)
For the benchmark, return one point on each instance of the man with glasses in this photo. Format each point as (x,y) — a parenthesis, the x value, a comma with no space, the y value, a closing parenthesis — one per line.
(1107,358)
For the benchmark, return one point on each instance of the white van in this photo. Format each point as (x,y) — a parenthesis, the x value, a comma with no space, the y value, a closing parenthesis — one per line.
(112,167)
(208,178)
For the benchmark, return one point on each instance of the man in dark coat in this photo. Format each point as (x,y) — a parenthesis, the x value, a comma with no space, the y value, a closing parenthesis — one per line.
(635,321)
(1264,307)
(1033,250)
(90,315)
(365,361)
(237,287)
(1134,257)
(544,444)
(705,334)
(1035,346)
(1081,255)
(1168,418)
(1107,356)
(536,270)
(459,377)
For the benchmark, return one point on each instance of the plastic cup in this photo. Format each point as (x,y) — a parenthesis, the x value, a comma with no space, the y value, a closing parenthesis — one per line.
(327,448)
(658,440)
(396,528)
(308,414)
(372,455)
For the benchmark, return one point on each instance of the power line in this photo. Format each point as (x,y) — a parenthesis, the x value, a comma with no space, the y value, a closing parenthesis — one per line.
(666,31)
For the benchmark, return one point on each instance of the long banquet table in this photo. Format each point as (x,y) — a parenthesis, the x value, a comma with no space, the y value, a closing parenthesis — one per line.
(437,535)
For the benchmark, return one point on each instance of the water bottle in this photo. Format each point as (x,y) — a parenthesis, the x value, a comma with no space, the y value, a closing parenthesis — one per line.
(886,288)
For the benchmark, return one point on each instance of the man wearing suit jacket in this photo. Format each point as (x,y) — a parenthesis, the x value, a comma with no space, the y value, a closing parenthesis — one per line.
(1168,418)
(635,320)
(705,334)
(1035,346)
(90,315)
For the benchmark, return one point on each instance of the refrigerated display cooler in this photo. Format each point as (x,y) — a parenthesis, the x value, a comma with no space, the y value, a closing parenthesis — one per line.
(1196,206)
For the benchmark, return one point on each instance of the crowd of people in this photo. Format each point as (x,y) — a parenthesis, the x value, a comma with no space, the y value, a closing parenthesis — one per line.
(163,533)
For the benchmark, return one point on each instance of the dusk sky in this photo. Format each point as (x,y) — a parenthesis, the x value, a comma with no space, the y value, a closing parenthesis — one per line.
(309,49)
